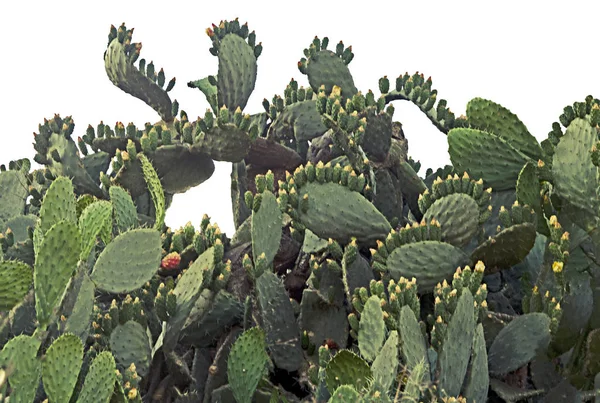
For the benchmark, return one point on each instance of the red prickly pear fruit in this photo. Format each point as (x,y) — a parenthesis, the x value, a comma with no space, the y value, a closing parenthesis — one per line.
(171,261)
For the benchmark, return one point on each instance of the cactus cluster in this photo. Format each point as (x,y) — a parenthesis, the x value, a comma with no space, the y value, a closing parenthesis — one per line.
(349,278)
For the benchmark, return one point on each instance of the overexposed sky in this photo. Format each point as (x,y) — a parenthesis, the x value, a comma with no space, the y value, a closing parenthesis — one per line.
(532,57)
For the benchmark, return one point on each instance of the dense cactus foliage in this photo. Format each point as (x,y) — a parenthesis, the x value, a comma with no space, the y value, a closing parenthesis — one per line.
(350,277)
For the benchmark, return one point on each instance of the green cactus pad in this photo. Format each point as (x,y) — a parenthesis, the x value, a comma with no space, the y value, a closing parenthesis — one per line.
(454,358)
(357,274)
(371,331)
(128,78)
(484,155)
(528,188)
(100,380)
(71,165)
(377,139)
(237,72)
(419,377)
(209,91)
(78,322)
(518,343)
(592,356)
(326,68)
(347,368)
(13,194)
(172,163)
(224,143)
(266,228)
(20,354)
(18,225)
(300,120)
(96,163)
(124,210)
(572,168)
(344,394)
(577,306)
(385,365)
(414,348)
(312,243)
(246,364)
(211,318)
(187,291)
(128,262)
(337,212)
(388,199)
(16,282)
(239,187)
(55,263)
(61,366)
(129,344)
(458,215)
(279,322)
(494,118)
(94,221)
(58,204)
(430,262)
(477,383)
(412,184)
(322,321)
(509,247)
(155,189)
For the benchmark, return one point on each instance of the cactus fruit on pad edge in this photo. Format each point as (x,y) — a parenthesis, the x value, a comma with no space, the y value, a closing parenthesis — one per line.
(352,274)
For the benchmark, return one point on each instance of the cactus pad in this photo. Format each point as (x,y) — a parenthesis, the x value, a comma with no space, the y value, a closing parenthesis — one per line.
(16,282)
(128,261)
(61,366)
(246,364)
(130,345)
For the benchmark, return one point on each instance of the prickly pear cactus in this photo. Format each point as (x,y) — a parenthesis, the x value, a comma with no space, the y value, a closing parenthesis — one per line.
(351,277)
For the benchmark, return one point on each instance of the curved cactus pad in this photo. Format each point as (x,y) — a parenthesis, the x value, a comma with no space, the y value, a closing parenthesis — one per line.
(124,75)
(506,249)
(179,168)
(484,155)
(237,72)
(128,261)
(458,215)
(337,212)
(430,262)
(494,118)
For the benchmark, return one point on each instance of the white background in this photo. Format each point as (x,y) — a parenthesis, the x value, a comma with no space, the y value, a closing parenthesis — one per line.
(532,57)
